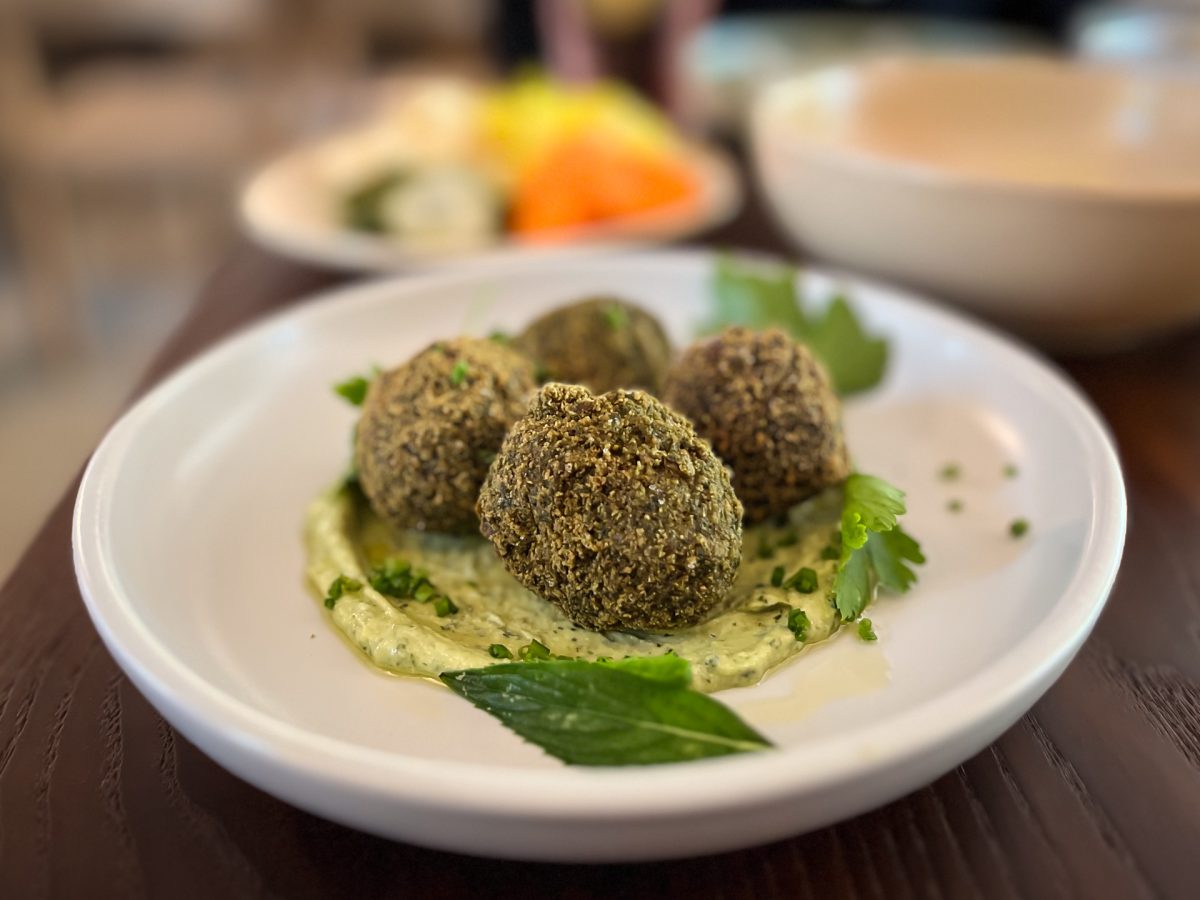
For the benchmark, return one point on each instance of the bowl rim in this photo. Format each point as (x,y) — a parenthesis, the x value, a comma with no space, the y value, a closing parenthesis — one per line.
(773,102)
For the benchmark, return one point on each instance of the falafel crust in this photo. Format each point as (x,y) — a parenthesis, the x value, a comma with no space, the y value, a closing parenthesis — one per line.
(603,343)
(430,428)
(768,408)
(613,509)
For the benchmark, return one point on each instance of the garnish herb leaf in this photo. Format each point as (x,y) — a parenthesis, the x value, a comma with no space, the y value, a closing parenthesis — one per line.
(855,360)
(875,550)
(669,668)
(339,587)
(890,553)
(760,298)
(602,714)
(1018,528)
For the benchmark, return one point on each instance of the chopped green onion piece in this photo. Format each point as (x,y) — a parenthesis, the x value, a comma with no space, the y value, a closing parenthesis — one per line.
(541,374)
(866,631)
(339,586)
(765,550)
(950,472)
(798,624)
(424,592)
(500,337)
(499,651)
(831,552)
(444,606)
(1010,471)
(535,649)
(804,581)
(789,539)
(459,373)
(353,390)
(954,505)
(1019,527)
(777,576)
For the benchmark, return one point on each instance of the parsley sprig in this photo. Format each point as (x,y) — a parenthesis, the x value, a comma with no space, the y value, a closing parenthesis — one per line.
(760,297)
(875,549)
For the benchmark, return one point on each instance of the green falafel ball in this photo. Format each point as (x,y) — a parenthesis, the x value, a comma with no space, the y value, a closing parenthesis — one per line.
(769,410)
(602,343)
(614,510)
(430,428)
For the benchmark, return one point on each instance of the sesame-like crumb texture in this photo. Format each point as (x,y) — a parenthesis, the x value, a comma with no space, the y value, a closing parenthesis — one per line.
(769,410)
(602,343)
(612,508)
(430,428)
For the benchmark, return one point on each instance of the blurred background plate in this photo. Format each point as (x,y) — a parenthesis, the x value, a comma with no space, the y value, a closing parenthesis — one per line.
(289,207)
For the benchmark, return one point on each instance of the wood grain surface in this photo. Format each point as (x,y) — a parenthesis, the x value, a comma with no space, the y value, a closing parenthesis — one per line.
(1094,794)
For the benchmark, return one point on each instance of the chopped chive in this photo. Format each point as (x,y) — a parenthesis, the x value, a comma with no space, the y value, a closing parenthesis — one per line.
(804,581)
(789,539)
(831,552)
(616,315)
(866,630)
(459,373)
(765,550)
(950,472)
(424,592)
(798,624)
(954,505)
(444,606)
(500,337)
(1019,527)
(353,390)
(499,651)
(1010,471)
(534,650)
(777,576)
(341,585)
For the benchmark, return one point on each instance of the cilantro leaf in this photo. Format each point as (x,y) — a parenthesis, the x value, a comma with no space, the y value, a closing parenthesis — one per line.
(890,554)
(875,550)
(607,714)
(855,360)
(869,504)
(757,297)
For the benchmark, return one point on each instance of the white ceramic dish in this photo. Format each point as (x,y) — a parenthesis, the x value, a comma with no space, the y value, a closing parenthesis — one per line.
(1060,199)
(187,550)
(290,207)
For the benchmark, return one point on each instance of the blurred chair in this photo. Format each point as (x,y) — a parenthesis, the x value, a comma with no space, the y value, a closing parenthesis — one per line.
(148,101)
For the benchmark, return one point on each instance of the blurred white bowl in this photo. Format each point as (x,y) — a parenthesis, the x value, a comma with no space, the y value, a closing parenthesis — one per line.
(1059,199)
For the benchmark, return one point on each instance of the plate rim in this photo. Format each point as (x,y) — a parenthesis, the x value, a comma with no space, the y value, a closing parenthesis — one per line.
(1025,670)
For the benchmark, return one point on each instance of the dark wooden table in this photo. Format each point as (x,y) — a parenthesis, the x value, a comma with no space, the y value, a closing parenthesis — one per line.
(1095,793)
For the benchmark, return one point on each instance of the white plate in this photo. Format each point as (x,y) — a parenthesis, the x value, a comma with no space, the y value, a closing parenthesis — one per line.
(187,548)
(290,208)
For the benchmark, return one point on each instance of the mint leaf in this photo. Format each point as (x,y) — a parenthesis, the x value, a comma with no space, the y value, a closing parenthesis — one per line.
(669,668)
(602,714)
(759,297)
